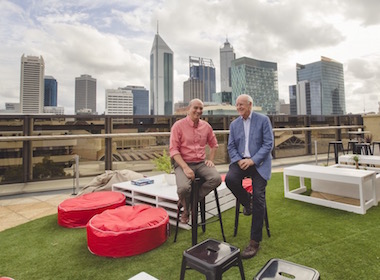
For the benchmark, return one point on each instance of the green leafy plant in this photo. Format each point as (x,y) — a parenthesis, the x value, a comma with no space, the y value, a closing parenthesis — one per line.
(356,160)
(163,163)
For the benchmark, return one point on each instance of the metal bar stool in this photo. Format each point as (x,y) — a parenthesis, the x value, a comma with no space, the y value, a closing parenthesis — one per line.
(351,146)
(212,258)
(247,184)
(363,149)
(337,146)
(194,213)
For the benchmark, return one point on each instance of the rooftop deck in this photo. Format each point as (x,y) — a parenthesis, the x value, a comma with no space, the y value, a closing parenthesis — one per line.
(33,204)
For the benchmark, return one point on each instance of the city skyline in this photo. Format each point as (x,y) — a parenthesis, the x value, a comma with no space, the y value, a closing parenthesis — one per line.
(112,41)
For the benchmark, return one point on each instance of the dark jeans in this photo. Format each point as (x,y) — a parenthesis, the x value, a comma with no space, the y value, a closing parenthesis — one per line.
(234,179)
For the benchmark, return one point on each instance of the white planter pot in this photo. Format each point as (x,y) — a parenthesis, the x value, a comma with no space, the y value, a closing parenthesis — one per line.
(170,179)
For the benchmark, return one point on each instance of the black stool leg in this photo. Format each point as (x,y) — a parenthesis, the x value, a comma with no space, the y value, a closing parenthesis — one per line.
(336,147)
(202,204)
(328,154)
(194,212)
(237,212)
(183,269)
(266,220)
(219,213)
(176,224)
(241,269)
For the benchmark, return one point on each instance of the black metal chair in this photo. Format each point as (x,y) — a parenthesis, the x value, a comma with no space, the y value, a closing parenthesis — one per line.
(194,213)
(212,258)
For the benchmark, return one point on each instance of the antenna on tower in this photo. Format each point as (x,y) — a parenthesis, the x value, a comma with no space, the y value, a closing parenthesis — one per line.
(157,26)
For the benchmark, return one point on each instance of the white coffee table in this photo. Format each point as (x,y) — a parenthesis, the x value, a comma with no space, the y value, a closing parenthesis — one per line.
(160,194)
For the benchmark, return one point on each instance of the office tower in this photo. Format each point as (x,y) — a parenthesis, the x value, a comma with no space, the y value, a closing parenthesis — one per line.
(303,98)
(161,78)
(140,99)
(293,99)
(85,94)
(257,78)
(326,86)
(119,102)
(226,56)
(203,69)
(51,87)
(192,88)
(32,84)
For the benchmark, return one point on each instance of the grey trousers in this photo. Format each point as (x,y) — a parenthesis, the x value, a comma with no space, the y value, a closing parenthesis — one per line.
(209,175)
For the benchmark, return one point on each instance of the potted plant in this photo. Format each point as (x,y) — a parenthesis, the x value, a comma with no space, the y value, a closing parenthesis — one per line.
(163,163)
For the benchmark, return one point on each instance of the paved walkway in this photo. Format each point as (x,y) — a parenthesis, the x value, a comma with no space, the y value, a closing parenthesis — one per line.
(22,208)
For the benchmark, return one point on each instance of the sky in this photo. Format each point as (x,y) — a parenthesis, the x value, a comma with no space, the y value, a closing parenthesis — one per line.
(111,41)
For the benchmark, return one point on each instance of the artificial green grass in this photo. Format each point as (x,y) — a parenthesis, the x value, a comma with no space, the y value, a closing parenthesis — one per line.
(339,244)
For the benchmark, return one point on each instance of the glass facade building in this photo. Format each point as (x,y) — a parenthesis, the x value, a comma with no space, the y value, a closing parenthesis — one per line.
(326,81)
(51,88)
(203,69)
(140,99)
(161,78)
(259,79)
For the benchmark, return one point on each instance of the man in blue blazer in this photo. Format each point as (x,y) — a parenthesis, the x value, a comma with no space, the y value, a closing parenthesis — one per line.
(249,146)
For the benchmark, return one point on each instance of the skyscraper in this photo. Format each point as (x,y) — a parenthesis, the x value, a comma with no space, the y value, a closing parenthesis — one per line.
(51,87)
(140,99)
(325,81)
(257,78)
(85,93)
(119,102)
(203,69)
(193,88)
(32,84)
(226,56)
(161,78)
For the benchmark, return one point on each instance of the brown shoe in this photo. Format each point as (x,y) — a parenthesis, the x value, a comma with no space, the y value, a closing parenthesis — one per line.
(251,250)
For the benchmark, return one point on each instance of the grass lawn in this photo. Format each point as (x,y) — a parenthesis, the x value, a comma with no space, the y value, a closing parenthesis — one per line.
(339,244)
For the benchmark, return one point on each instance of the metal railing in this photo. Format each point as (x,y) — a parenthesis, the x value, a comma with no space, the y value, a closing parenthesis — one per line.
(103,147)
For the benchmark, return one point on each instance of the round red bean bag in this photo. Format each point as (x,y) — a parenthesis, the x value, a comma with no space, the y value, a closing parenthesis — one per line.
(247,183)
(127,231)
(76,212)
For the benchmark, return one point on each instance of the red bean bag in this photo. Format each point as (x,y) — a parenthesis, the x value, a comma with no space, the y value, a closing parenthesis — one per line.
(76,212)
(247,183)
(127,231)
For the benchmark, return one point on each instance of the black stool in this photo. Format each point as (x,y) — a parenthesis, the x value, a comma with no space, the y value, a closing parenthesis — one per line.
(338,146)
(351,146)
(212,258)
(237,212)
(373,146)
(281,269)
(194,213)
(363,149)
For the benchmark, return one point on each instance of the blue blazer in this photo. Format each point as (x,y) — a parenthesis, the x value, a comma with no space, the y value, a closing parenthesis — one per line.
(260,142)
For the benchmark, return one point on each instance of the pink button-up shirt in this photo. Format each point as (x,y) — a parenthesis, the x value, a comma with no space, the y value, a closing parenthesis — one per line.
(189,141)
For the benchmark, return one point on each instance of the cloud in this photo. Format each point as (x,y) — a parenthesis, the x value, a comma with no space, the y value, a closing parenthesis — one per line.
(111,40)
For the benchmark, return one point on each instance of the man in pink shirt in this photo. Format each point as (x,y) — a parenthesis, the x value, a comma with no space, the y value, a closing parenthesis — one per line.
(188,139)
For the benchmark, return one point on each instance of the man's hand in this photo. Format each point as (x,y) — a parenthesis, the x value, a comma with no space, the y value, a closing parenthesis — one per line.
(245,163)
(189,173)
(209,163)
